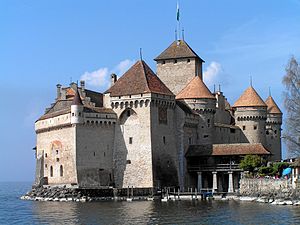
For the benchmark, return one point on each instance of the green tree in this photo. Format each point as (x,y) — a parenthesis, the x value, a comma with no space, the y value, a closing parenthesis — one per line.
(291,81)
(250,162)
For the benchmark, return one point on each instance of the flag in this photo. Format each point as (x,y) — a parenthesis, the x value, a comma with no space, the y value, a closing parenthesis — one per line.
(177,13)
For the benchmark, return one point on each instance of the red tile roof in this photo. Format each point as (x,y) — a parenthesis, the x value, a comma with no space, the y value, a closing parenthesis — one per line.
(178,49)
(239,149)
(138,79)
(226,150)
(195,89)
(272,106)
(250,98)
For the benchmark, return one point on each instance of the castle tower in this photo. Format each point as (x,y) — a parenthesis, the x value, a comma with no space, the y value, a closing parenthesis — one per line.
(200,99)
(178,65)
(250,113)
(145,153)
(273,128)
(77,109)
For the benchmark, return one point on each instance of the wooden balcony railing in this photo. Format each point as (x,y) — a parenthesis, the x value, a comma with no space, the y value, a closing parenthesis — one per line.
(217,167)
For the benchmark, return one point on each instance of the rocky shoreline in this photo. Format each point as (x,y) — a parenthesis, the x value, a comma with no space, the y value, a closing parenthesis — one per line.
(272,201)
(65,194)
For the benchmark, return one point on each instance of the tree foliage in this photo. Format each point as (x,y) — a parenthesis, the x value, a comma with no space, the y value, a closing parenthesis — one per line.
(291,81)
(250,162)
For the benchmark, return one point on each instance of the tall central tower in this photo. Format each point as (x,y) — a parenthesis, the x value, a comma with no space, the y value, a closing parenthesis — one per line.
(178,65)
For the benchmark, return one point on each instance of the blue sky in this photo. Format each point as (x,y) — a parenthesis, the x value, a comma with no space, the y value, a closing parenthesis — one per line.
(43,43)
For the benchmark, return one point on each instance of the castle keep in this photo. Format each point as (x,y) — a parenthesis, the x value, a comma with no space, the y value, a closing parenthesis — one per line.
(154,130)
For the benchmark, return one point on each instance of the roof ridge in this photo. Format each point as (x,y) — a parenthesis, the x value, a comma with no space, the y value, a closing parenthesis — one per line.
(145,75)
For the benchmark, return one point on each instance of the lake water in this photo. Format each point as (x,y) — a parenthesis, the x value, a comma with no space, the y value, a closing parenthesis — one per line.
(16,211)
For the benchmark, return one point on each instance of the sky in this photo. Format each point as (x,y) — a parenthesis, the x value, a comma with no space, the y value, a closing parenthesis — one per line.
(43,43)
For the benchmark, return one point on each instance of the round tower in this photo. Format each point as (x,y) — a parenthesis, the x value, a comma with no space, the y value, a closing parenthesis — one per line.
(250,113)
(199,98)
(273,128)
(77,109)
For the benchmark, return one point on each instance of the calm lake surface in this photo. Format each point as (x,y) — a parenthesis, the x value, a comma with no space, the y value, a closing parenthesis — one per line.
(16,211)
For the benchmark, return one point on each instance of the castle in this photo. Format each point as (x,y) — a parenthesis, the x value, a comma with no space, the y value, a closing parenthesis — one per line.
(154,130)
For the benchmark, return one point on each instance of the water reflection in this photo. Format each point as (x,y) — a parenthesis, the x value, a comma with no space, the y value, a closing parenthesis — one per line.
(183,212)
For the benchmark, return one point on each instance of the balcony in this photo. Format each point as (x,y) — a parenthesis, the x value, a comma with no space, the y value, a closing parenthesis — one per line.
(217,167)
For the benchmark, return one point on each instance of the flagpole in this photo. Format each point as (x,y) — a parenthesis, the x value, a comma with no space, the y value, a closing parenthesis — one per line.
(178,21)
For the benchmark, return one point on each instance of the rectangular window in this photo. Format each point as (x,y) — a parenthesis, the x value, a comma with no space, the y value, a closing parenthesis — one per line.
(130,140)
(162,115)
(244,127)
(164,139)
(232,130)
(255,127)
(190,140)
(205,136)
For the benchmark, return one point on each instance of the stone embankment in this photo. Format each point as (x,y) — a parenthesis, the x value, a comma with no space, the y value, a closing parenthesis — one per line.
(65,194)
(273,191)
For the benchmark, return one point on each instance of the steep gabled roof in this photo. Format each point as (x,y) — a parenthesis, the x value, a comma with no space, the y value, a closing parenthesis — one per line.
(195,89)
(249,98)
(272,106)
(138,79)
(178,49)
(77,99)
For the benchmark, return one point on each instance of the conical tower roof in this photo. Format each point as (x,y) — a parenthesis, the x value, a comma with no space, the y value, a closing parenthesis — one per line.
(249,98)
(138,79)
(195,89)
(178,49)
(77,99)
(272,106)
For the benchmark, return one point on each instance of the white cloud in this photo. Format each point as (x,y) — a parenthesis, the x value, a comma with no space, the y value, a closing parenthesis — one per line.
(101,78)
(123,66)
(211,73)
(97,78)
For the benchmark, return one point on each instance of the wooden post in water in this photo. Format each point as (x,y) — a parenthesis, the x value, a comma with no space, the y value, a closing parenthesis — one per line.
(196,194)
(128,192)
(178,193)
(132,192)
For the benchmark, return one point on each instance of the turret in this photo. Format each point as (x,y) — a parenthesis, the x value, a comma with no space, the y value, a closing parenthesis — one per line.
(250,113)
(273,128)
(77,109)
(178,65)
(200,99)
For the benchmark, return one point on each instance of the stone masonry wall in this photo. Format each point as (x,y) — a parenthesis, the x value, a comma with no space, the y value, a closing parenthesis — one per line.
(94,151)
(58,147)
(265,187)
(177,75)
(132,147)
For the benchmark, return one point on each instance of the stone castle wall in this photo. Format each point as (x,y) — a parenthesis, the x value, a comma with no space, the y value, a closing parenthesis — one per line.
(94,154)
(132,144)
(164,150)
(58,148)
(252,122)
(176,74)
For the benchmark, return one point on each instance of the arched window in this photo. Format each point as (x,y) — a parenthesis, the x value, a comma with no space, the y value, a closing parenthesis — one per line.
(61,171)
(51,171)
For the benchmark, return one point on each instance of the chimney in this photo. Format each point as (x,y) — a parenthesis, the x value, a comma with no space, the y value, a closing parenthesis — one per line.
(58,91)
(82,85)
(113,79)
